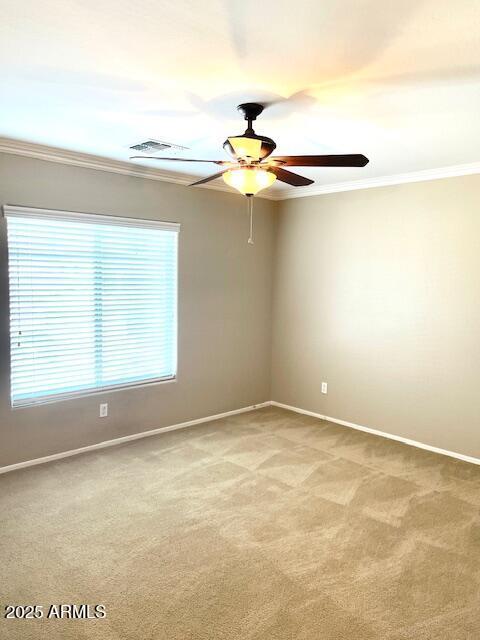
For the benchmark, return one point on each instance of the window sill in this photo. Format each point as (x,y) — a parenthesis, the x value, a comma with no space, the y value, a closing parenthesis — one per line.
(28,404)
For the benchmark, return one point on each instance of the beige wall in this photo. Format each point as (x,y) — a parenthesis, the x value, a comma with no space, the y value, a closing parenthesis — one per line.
(225,290)
(377,292)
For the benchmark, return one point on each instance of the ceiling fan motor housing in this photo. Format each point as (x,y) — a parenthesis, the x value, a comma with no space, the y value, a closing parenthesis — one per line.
(267,144)
(250,110)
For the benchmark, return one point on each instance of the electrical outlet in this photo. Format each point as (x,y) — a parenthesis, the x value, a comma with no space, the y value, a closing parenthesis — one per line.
(104,410)
(324,387)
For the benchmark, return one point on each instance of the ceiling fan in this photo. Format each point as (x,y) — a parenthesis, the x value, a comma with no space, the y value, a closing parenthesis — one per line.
(254,168)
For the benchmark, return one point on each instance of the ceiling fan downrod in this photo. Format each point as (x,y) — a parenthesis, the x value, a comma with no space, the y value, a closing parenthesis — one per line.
(251,111)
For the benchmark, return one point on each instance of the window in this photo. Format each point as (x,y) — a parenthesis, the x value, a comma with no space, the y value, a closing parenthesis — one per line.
(93,303)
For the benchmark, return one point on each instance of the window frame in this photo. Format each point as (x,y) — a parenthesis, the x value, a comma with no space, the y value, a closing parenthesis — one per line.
(108,220)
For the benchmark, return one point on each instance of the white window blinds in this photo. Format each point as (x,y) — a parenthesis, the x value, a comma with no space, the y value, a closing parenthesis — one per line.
(93,302)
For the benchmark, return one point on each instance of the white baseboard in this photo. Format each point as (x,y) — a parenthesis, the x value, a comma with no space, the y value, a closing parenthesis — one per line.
(218,416)
(383,434)
(123,439)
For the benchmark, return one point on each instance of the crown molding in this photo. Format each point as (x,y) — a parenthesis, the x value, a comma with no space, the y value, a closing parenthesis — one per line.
(100,163)
(381,181)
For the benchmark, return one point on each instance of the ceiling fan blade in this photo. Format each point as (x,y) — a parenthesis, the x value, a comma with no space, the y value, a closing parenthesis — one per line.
(177,159)
(350,160)
(203,180)
(289,177)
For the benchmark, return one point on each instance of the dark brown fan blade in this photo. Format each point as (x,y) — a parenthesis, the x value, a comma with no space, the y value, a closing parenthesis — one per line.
(177,159)
(350,160)
(203,180)
(289,177)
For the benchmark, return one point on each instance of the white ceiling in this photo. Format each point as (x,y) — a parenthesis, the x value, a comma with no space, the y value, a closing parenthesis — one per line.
(397,81)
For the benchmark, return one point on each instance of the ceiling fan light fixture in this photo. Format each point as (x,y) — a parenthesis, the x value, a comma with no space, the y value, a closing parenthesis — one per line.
(246,148)
(249,181)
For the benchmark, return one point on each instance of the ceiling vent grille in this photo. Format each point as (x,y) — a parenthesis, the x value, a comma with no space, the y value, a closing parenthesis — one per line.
(154,146)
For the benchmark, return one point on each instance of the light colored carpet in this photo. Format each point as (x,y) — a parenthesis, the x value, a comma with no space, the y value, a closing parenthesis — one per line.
(265,525)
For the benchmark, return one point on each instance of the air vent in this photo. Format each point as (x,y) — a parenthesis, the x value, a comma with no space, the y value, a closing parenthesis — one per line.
(154,146)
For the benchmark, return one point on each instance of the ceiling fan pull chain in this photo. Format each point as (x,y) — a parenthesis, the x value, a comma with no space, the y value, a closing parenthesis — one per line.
(250,212)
